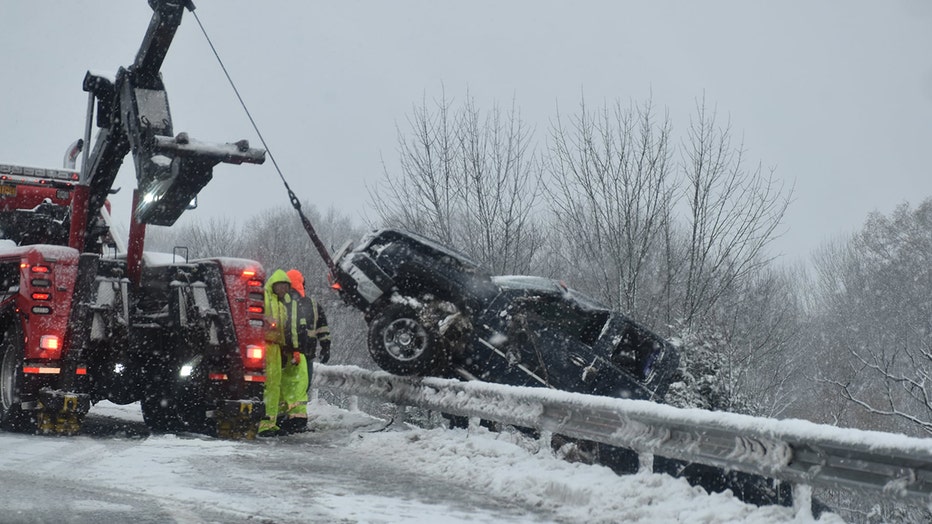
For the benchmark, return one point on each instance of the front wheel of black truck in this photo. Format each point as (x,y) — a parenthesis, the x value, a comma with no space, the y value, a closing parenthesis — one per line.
(401,343)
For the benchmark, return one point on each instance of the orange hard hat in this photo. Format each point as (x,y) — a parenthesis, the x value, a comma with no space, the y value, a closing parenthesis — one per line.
(297,280)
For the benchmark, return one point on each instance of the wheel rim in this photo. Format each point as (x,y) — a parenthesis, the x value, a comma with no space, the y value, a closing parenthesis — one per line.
(404,339)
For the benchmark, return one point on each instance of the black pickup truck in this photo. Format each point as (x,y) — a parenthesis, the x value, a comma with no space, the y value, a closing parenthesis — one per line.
(433,311)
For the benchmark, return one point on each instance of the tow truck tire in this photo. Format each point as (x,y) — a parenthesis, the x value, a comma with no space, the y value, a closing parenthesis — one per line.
(12,416)
(160,413)
(176,408)
(401,344)
(193,407)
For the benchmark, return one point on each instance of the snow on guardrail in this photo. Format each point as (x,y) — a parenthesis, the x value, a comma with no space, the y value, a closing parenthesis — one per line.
(798,451)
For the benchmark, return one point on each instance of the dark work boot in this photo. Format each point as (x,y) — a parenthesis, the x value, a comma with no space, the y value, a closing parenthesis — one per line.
(294,425)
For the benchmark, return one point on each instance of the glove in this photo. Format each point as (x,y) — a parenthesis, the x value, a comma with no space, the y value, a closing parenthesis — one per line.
(324,354)
(295,357)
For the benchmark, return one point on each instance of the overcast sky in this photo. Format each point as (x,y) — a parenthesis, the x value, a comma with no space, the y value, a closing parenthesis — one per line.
(835,95)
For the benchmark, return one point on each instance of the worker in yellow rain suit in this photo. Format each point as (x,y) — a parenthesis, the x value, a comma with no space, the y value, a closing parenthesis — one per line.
(281,337)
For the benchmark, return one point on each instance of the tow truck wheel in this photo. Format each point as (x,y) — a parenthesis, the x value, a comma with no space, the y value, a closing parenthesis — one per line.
(12,417)
(160,413)
(177,407)
(401,344)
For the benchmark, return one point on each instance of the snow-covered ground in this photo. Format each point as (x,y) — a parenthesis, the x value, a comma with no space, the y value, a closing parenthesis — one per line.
(351,468)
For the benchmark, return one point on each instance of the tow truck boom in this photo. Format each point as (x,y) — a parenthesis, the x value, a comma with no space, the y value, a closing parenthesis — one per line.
(133,115)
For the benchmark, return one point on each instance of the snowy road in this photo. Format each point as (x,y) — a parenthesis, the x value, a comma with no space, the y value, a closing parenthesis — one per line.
(345,471)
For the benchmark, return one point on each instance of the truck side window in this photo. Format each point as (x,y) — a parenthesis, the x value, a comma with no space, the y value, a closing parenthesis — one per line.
(578,323)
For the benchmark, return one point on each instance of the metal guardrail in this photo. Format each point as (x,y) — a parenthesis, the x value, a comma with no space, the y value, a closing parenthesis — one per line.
(797,451)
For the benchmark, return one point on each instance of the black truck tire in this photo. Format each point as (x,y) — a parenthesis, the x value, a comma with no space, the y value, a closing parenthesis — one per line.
(401,344)
(12,416)
(160,413)
(175,409)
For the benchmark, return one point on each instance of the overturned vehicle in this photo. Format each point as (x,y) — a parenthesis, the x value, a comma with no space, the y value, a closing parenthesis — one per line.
(433,311)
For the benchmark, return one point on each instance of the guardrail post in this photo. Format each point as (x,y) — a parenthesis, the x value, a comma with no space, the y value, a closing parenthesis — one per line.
(546,442)
(645,462)
(802,501)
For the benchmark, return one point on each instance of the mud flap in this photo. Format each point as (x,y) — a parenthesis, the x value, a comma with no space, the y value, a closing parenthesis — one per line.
(61,413)
(238,419)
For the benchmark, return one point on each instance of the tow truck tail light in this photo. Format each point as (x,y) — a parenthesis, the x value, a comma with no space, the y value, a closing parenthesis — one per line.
(49,342)
(39,269)
(254,283)
(41,296)
(255,352)
(256,309)
(50,346)
(249,273)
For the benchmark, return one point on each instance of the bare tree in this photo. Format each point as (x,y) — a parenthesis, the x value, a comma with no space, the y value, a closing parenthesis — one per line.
(761,319)
(500,190)
(734,214)
(466,179)
(611,191)
(703,280)
(876,317)
(425,197)
(216,237)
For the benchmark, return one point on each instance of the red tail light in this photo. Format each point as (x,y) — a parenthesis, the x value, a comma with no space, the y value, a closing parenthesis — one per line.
(249,273)
(254,283)
(256,309)
(255,352)
(40,269)
(50,346)
(41,296)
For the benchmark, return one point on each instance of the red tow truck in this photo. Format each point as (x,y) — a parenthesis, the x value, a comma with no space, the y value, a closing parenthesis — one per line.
(84,318)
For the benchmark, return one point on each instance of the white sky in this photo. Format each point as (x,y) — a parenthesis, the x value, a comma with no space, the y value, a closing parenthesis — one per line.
(836,95)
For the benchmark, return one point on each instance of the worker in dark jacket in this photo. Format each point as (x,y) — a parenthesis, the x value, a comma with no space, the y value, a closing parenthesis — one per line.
(313,325)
